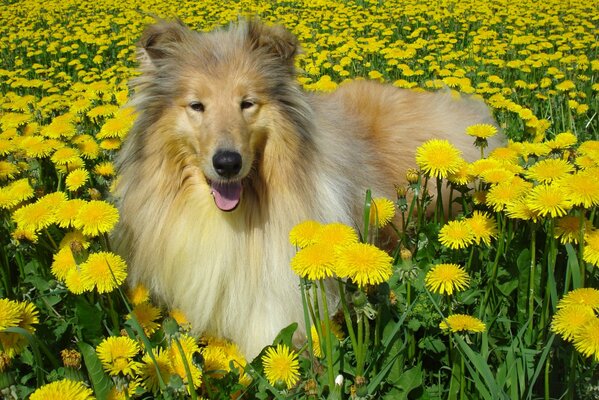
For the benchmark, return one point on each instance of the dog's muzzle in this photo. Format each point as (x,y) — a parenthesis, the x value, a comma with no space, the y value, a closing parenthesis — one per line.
(227,193)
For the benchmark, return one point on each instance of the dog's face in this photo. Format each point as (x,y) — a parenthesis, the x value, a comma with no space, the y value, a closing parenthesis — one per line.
(215,96)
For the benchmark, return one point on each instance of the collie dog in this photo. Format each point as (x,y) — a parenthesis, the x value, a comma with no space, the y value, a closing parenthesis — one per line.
(228,153)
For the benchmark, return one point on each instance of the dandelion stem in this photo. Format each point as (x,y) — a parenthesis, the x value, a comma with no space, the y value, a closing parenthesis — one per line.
(531,288)
(327,336)
(307,320)
(191,387)
(347,316)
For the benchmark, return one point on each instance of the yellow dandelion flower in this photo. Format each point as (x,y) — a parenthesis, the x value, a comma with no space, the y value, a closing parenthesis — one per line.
(314,262)
(106,270)
(482,131)
(15,192)
(336,235)
(519,209)
(568,228)
(582,188)
(88,147)
(147,315)
(8,170)
(438,158)
(10,314)
(67,212)
(568,320)
(446,279)
(25,235)
(115,128)
(62,390)
(76,179)
(116,353)
(591,248)
(463,175)
(503,193)
(303,233)
(65,155)
(96,217)
(35,216)
(281,366)
(509,154)
(549,170)
(218,354)
(75,240)
(110,144)
(37,146)
(63,263)
(586,339)
(61,126)
(463,323)
(496,175)
(364,264)
(584,296)
(148,370)
(138,294)
(482,226)
(563,140)
(456,234)
(382,211)
(104,169)
(549,200)
(78,283)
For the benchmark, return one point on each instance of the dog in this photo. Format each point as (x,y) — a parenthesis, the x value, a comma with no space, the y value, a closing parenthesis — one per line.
(228,153)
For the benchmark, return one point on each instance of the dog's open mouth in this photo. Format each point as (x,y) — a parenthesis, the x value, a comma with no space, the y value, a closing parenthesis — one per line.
(226,194)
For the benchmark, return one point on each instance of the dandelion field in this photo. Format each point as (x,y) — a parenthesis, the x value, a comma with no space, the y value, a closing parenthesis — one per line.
(497,299)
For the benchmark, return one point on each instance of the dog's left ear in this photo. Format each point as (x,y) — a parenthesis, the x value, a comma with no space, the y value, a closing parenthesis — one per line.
(276,40)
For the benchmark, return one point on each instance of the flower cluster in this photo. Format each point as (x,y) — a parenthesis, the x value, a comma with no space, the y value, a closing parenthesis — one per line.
(577,320)
(15,314)
(333,250)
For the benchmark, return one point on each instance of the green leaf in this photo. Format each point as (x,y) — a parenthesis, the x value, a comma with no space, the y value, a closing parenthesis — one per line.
(88,319)
(286,335)
(408,381)
(100,381)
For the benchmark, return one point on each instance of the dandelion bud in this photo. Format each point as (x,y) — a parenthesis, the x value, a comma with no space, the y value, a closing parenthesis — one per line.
(94,194)
(405,254)
(412,175)
(401,191)
(359,299)
(170,326)
(71,358)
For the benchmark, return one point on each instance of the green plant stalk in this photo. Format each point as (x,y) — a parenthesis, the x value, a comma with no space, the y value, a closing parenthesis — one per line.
(192,391)
(347,317)
(531,286)
(327,336)
(494,268)
(360,353)
(307,322)
(581,261)
(439,210)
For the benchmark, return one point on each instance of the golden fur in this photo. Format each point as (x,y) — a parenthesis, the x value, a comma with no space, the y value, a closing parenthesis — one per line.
(303,156)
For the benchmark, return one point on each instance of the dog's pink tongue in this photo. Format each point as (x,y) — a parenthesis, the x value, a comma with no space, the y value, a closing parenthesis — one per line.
(226,195)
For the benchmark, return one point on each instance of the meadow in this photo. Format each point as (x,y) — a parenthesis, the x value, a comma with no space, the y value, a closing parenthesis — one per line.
(498,299)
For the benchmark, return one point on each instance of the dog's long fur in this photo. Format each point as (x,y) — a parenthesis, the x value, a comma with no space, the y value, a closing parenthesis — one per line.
(303,156)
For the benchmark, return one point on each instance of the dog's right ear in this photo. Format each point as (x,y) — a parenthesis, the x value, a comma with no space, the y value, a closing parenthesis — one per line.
(159,40)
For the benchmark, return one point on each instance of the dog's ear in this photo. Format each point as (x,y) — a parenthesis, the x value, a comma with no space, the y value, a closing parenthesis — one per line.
(158,39)
(275,40)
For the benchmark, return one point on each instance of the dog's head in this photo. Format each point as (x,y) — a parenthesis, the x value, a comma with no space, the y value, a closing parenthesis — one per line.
(211,100)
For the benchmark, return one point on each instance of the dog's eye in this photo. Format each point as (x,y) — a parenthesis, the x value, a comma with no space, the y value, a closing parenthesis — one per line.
(196,106)
(245,104)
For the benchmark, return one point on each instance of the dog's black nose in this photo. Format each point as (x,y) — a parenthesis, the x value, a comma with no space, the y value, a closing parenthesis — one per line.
(227,163)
